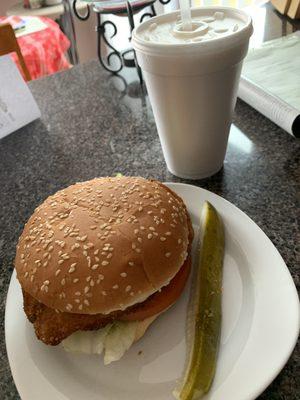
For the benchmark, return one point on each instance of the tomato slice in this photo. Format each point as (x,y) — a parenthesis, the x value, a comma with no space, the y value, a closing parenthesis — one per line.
(160,300)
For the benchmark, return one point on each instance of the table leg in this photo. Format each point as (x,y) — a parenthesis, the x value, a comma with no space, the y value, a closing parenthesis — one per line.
(67,25)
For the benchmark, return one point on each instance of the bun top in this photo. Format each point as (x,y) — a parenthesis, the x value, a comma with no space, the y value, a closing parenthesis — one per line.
(102,245)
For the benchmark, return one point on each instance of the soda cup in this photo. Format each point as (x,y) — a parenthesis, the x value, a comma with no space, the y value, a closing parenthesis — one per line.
(192,79)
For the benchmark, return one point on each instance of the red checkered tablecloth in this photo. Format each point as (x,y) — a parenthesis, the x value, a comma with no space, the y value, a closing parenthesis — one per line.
(43,51)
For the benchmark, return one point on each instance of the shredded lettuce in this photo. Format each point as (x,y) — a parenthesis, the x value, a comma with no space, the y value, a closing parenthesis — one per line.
(114,339)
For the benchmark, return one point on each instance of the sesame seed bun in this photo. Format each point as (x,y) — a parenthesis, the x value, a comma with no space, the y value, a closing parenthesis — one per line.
(103,245)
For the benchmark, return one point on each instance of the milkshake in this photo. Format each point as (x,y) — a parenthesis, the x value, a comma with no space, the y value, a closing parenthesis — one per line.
(192,79)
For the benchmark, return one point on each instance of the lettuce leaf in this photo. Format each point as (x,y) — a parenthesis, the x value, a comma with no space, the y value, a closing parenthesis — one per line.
(87,342)
(114,339)
(119,339)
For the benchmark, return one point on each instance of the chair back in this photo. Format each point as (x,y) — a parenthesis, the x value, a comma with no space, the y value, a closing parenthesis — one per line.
(9,44)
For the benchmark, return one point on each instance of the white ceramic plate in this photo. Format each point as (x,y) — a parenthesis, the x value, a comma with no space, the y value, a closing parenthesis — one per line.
(259,332)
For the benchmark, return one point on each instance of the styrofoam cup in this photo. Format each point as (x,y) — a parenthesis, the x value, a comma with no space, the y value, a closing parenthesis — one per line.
(192,88)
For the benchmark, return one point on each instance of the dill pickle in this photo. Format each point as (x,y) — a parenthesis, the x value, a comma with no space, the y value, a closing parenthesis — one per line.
(205,310)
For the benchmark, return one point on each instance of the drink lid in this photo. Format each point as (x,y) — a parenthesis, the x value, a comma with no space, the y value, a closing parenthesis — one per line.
(214,29)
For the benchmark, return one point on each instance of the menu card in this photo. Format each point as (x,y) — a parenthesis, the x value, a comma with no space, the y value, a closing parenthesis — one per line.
(17,105)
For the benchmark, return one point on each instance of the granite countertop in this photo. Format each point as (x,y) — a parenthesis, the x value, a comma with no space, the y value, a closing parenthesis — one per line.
(92,126)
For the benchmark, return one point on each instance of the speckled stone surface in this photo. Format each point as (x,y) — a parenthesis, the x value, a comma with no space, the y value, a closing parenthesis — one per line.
(91,127)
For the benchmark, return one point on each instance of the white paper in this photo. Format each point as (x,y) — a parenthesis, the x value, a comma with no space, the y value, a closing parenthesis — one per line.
(272,107)
(270,81)
(17,105)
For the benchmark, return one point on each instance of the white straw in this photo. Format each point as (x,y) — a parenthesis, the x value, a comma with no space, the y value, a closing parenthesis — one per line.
(186,15)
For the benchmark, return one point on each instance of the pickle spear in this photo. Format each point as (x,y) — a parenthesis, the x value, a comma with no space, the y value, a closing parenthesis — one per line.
(204,313)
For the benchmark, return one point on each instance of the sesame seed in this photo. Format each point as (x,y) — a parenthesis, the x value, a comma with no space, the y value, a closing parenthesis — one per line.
(85,253)
(131,263)
(138,250)
(162,238)
(92,283)
(95,266)
(46,282)
(86,289)
(26,274)
(131,293)
(57,272)
(75,280)
(103,292)
(104,263)
(139,239)
(115,287)
(93,227)
(179,241)
(151,228)
(133,246)
(168,233)
(123,274)
(65,256)
(77,293)
(80,307)
(167,255)
(96,252)
(86,302)
(77,301)
(127,289)
(71,269)
(63,281)
(136,231)
(69,307)
(88,278)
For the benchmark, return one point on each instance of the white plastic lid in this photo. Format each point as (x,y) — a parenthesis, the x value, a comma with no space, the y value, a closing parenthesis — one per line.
(215,28)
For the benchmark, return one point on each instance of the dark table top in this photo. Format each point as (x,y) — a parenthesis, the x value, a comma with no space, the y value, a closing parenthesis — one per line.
(92,126)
